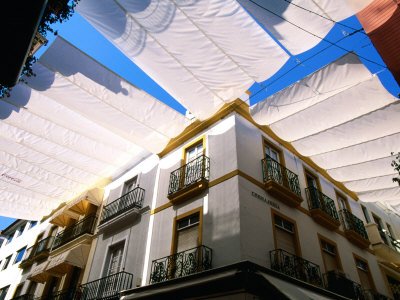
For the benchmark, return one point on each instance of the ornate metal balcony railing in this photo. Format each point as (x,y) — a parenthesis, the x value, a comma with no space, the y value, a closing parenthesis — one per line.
(272,170)
(181,264)
(84,226)
(389,240)
(295,266)
(106,287)
(318,200)
(43,245)
(338,282)
(24,297)
(351,222)
(194,171)
(132,199)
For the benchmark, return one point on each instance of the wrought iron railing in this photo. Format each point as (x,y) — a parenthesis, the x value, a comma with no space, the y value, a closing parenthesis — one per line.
(295,266)
(181,264)
(84,226)
(194,171)
(24,297)
(132,199)
(318,200)
(338,282)
(389,240)
(273,170)
(43,245)
(351,222)
(107,287)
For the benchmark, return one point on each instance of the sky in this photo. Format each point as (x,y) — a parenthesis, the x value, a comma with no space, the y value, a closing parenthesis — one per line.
(81,34)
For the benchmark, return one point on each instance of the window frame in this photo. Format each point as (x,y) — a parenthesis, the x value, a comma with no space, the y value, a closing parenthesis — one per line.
(200,140)
(369,274)
(174,243)
(127,183)
(345,198)
(366,214)
(312,174)
(322,239)
(23,249)
(277,149)
(107,260)
(295,233)
(6,262)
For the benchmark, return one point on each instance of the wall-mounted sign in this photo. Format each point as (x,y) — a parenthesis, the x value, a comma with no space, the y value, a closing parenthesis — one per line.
(269,202)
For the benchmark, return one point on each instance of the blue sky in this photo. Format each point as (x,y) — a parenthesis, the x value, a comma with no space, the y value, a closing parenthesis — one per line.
(78,32)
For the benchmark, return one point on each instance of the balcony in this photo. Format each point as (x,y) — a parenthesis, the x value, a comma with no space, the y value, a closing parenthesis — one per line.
(387,248)
(354,229)
(107,287)
(295,266)
(85,226)
(322,208)
(181,264)
(131,201)
(38,251)
(189,180)
(281,182)
(338,283)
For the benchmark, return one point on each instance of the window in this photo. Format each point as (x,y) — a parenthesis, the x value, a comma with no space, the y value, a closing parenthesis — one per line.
(187,232)
(285,234)
(20,230)
(3,292)
(20,255)
(272,152)
(366,215)
(129,185)
(364,273)
(311,180)
(330,255)
(381,230)
(32,224)
(6,262)
(114,259)
(342,202)
(193,152)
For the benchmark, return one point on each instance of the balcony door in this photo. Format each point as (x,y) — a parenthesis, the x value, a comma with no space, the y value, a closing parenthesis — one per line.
(113,266)
(312,185)
(330,256)
(187,237)
(364,274)
(193,170)
(271,152)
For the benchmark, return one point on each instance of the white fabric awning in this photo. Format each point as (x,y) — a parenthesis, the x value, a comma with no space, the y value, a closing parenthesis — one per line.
(75,125)
(77,207)
(204,53)
(300,24)
(345,121)
(77,257)
(38,273)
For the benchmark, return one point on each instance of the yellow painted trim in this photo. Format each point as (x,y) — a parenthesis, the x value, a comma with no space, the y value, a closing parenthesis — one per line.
(200,139)
(224,178)
(296,233)
(242,108)
(329,241)
(369,274)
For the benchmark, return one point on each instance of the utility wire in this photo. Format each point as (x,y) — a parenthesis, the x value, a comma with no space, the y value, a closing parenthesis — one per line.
(315,54)
(322,16)
(317,36)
